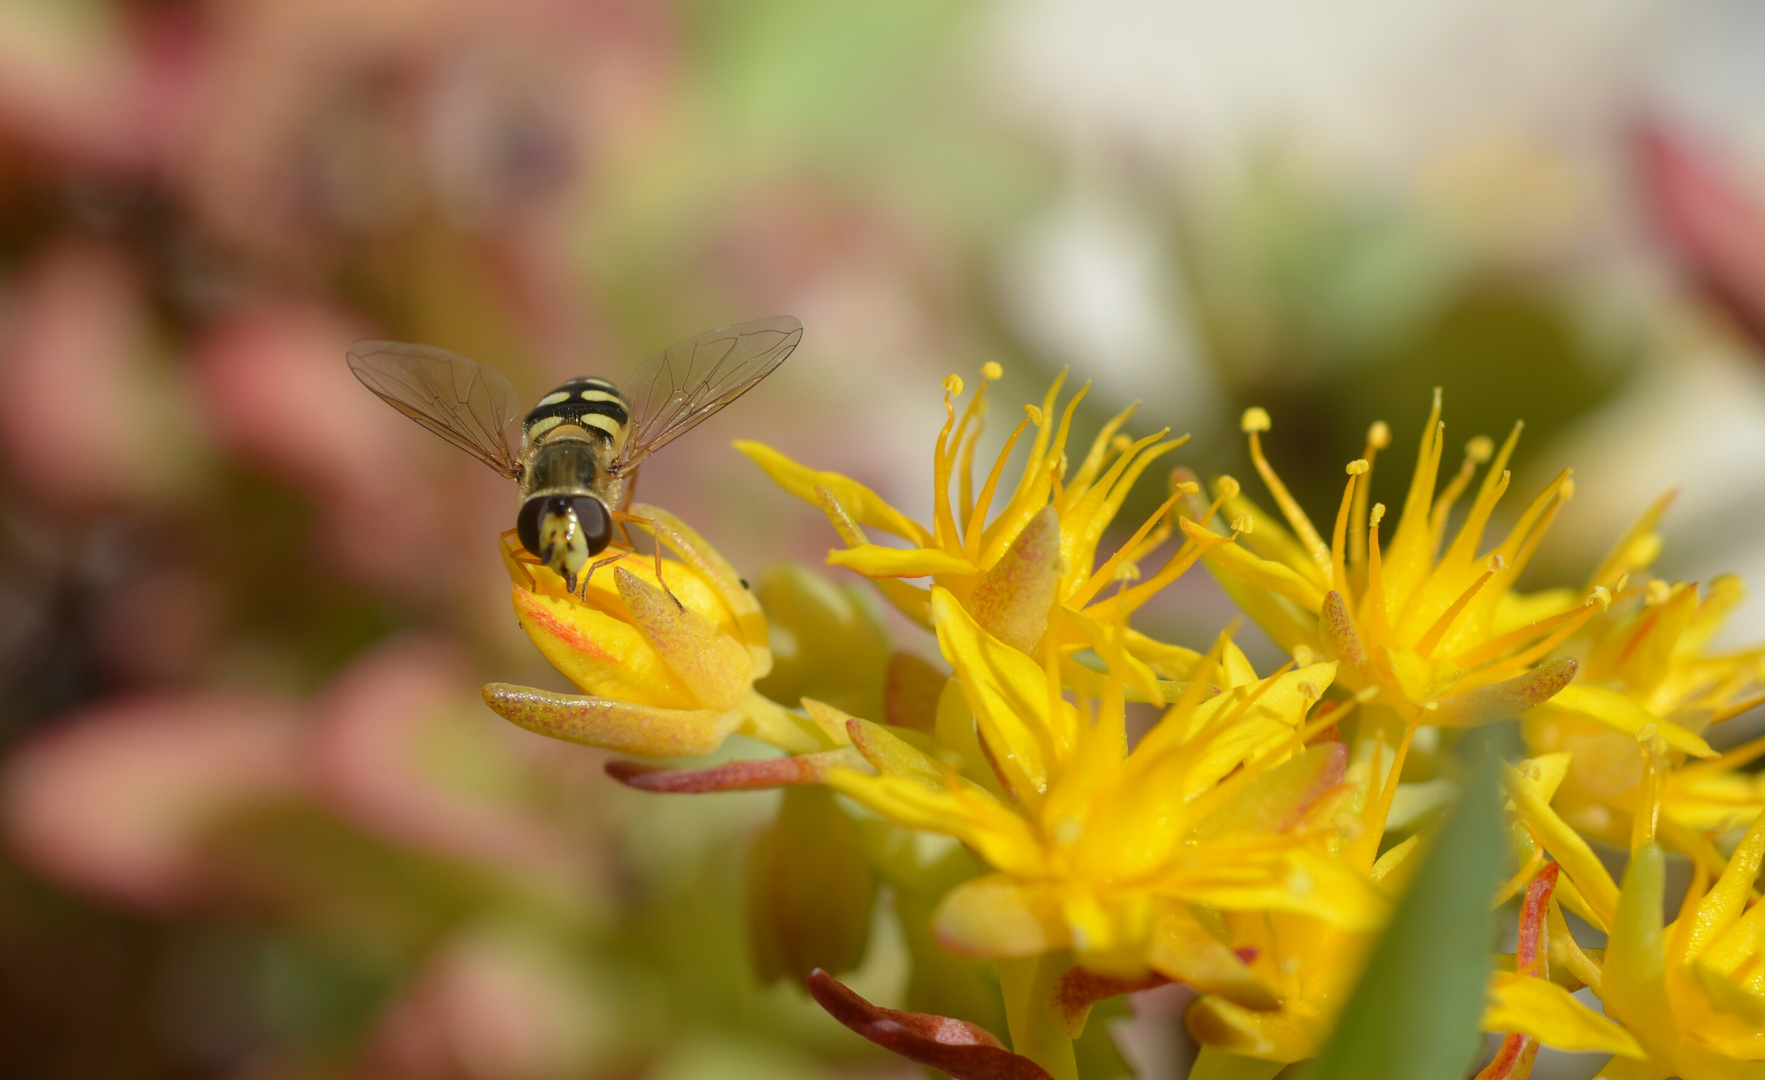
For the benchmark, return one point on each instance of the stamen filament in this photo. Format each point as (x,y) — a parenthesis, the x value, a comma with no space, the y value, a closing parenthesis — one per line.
(977,518)
(1378,438)
(1426,645)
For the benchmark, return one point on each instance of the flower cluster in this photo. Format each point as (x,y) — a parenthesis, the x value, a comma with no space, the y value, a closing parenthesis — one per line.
(1064,809)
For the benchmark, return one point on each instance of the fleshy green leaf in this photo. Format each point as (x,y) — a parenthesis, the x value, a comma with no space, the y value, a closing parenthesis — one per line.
(1415,1013)
(810,889)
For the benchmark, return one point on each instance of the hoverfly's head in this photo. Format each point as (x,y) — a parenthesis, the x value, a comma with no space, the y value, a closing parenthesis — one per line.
(565,532)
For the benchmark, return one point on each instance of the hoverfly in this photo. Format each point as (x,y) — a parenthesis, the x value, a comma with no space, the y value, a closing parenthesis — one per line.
(581,444)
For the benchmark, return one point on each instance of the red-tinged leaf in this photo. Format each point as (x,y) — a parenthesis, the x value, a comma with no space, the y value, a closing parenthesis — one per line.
(957,1047)
(1532,911)
(1512,1061)
(752,775)
(1079,989)
(1718,231)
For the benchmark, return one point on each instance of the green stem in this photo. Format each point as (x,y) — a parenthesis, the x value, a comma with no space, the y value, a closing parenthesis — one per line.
(1028,986)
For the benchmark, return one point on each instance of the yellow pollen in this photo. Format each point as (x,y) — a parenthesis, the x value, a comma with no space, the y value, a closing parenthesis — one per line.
(1531,771)
(1378,514)
(1186,487)
(1303,655)
(1242,524)
(1495,564)
(1379,435)
(953,385)
(1359,467)
(1480,449)
(1256,418)
(1601,596)
(1228,487)
(1127,572)
(991,371)
(1034,414)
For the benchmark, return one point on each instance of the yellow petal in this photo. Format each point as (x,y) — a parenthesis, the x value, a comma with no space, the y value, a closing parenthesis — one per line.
(713,571)
(1007,690)
(1273,576)
(599,653)
(1547,1012)
(1275,874)
(971,815)
(873,560)
(865,505)
(1568,848)
(997,916)
(1621,713)
(612,725)
(714,666)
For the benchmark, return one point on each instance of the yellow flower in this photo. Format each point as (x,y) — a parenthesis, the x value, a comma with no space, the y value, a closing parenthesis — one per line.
(1422,635)
(1645,667)
(1692,992)
(1101,850)
(1312,965)
(664,680)
(1038,553)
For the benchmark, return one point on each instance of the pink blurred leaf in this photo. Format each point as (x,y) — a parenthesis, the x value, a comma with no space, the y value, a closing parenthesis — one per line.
(736,775)
(115,802)
(1715,224)
(959,1048)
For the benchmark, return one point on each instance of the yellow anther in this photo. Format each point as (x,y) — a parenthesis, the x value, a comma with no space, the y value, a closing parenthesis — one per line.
(1658,592)
(991,371)
(1303,655)
(1531,771)
(1242,524)
(1623,580)
(1495,564)
(1601,596)
(1034,413)
(1127,572)
(953,385)
(1378,514)
(1379,435)
(1649,738)
(1228,487)
(1359,466)
(1480,449)
(1256,418)
(1186,487)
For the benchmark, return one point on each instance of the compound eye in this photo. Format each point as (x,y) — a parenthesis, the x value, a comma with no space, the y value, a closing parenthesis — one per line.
(594,521)
(527,525)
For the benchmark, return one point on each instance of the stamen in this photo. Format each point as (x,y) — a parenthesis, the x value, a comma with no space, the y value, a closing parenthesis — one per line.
(1242,524)
(1339,571)
(1373,605)
(991,371)
(1255,422)
(1225,489)
(1378,438)
(943,520)
(1624,555)
(1412,523)
(977,518)
(1121,559)
(1477,451)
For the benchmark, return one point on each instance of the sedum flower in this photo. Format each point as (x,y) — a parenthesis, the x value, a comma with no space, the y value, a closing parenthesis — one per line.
(1692,991)
(1038,551)
(1103,850)
(1422,634)
(1312,965)
(662,679)
(1646,667)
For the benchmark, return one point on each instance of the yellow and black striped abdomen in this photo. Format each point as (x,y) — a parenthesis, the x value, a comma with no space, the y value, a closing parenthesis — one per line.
(594,405)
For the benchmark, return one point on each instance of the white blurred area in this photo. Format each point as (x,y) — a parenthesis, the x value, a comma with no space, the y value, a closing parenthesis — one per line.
(1499,129)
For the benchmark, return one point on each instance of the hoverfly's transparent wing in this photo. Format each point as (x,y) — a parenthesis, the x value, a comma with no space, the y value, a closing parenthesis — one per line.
(682,386)
(461,400)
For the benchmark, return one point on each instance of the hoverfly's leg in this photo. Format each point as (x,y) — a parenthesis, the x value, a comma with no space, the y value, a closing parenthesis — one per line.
(519,555)
(588,575)
(628,491)
(656,549)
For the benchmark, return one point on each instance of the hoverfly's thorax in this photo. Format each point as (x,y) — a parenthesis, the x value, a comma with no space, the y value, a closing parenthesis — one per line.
(582,409)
